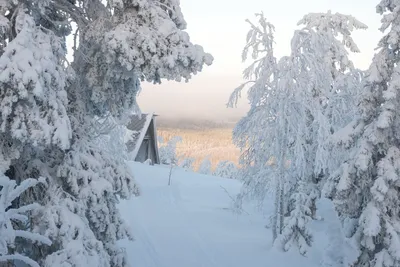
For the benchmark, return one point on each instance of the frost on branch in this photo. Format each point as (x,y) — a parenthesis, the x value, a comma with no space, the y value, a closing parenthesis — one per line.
(10,191)
(259,46)
(338,24)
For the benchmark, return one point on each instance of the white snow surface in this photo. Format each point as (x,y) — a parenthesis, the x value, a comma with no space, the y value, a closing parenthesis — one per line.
(191,224)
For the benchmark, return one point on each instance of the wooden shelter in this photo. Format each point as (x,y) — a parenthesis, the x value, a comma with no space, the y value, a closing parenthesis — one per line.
(142,144)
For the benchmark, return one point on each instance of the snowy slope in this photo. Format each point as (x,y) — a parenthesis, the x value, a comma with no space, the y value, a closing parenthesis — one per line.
(190,224)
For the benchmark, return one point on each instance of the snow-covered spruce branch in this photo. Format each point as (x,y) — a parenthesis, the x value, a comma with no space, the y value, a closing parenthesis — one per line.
(9,192)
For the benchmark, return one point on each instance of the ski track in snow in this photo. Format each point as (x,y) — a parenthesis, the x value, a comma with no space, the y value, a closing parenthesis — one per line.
(188,224)
(151,257)
(168,201)
(176,201)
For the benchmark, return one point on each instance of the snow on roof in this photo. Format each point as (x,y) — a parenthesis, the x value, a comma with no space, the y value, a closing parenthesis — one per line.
(138,125)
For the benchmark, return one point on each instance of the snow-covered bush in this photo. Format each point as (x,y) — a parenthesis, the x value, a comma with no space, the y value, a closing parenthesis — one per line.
(167,150)
(205,166)
(187,164)
(226,169)
(9,214)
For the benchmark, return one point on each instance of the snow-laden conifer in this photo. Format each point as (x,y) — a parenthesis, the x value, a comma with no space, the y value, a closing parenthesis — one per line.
(365,187)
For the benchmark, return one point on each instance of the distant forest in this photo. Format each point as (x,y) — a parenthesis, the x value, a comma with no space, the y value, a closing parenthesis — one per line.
(193,124)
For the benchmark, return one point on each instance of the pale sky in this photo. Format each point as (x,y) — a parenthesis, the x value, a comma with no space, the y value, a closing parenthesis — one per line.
(220,27)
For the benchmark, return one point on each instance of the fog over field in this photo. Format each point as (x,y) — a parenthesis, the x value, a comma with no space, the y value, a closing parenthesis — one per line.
(203,99)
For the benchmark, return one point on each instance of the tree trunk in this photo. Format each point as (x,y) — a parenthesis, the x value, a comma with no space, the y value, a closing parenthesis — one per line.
(276,217)
(170,174)
(281,210)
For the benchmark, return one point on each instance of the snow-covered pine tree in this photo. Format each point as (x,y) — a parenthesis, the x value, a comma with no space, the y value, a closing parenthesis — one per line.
(366,190)
(33,102)
(50,109)
(319,59)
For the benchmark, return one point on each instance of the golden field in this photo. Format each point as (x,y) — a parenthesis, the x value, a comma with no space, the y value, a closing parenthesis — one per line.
(200,143)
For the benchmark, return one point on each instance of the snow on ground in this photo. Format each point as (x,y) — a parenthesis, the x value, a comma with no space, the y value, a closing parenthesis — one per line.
(191,224)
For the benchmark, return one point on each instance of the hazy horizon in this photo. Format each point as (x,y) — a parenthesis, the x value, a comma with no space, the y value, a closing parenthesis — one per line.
(220,27)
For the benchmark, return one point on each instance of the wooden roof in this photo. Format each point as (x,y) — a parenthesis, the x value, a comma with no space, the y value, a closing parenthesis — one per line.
(139,125)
